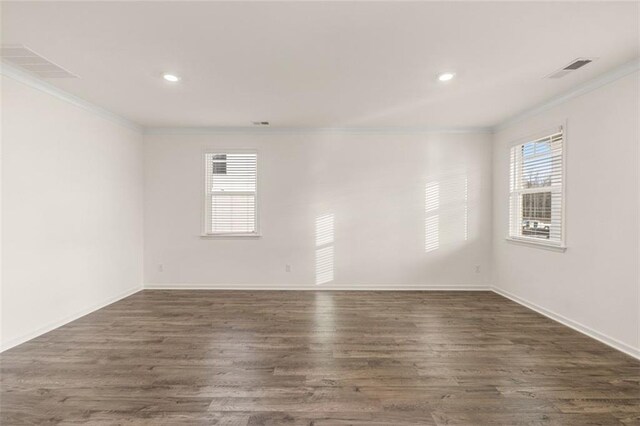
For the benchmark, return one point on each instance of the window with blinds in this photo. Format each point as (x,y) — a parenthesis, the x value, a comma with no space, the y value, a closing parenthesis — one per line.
(231,193)
(537,191)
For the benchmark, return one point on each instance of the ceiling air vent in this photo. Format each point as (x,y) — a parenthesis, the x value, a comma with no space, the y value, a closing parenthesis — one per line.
(573,66)
(28,60)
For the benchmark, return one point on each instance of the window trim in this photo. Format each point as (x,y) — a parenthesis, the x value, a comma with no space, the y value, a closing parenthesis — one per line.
(560,246)
(533,242)
(205,196)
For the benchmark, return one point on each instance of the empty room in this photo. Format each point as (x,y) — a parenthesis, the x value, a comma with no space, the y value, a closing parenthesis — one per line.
(320,213)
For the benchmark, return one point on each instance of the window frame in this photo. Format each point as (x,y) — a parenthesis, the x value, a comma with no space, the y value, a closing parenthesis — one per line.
(205,210)
(561,245)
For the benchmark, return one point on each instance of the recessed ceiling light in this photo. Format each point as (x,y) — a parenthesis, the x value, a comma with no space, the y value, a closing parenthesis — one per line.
(171,78)
(446,76)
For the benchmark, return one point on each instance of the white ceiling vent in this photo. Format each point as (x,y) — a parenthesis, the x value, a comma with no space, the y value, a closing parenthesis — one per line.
(28,60)
(573,66)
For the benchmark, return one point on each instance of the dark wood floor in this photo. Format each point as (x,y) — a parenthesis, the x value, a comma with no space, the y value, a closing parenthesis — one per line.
(392,358)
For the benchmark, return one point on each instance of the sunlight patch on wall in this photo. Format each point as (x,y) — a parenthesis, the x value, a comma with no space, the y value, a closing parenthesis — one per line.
(432,220)
(432,197)
(324,265)
(324,230)
(324,248)
(466,208)
(432,229)
(446,211)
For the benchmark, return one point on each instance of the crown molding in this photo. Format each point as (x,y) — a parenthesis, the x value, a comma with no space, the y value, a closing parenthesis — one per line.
(602,80)
(313,130)
(36,83)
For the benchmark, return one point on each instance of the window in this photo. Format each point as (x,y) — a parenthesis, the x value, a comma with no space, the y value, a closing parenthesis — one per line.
(537,191)
(231,194)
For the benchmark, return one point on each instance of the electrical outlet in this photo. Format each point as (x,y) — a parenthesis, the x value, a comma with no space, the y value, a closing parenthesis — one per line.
(160,267)
(287,268)
(477,269)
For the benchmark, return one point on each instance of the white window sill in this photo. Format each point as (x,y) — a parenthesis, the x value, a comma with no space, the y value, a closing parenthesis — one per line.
(537,244)
(229,236)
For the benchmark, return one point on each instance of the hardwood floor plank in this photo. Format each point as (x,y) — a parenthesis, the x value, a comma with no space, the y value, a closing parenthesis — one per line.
(317,358)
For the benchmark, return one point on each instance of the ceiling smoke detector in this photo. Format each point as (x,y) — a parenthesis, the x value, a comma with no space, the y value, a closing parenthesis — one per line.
(28,60)
(573,66)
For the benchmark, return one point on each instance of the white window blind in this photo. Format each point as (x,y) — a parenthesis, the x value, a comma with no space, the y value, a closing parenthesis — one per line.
(537,191)
(231,193)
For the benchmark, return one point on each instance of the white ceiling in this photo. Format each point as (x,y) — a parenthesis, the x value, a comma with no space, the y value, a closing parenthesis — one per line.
(330,64)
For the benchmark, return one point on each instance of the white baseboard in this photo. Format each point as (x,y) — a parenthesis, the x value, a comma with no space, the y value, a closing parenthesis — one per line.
(311,287)
(59,323)
(588,331)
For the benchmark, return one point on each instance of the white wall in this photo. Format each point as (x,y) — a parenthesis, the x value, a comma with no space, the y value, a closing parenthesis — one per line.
(373,185)
(72,189)
(594,285)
